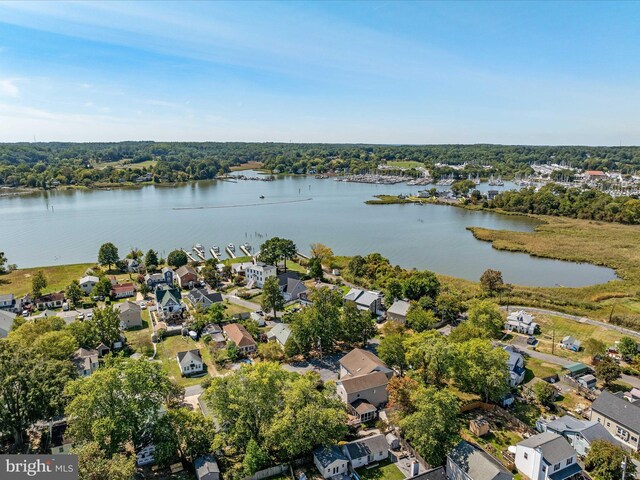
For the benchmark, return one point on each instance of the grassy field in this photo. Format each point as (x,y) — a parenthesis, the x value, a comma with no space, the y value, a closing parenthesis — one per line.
(608,244)
(564,327)
(58,278)
(233,309)
(405,164)
(384,471)
(247,166)
(169,348)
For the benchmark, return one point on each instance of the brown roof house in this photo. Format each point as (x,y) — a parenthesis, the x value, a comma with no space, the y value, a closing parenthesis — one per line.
(239,335)
(50,300)
(363,383)
(130,315)
(187,276)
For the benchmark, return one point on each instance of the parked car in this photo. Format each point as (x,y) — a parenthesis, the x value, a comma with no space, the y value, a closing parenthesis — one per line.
(80,316)
(532,340)
(89,315)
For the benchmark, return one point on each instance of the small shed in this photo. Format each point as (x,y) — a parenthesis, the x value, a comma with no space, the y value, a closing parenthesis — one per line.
(392,440)
(479,427)
(587,381)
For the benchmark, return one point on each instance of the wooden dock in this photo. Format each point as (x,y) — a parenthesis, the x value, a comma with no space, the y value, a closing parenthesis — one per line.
(229,252)
(191,257)
(214,254)
(246,251)
(200,255)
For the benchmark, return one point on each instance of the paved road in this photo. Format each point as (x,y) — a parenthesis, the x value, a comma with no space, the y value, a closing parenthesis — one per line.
(243,303)
(193,390)
(576,318)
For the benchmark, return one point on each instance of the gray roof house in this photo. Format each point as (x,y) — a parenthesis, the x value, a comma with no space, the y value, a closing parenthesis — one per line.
(620,417)
(88,282)
(7,301)
(280,333)
(202,296)
(365,299)
(366,450)
(190,362)
(515,362)
(207,468)
(579,433)
(330,462)
(398,311)
(6,321)
(468,462)
(85,361)
(571,343)
(130,315)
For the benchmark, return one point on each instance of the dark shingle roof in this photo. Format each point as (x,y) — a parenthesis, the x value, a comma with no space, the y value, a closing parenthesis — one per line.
(619,410)
(478,464)
(367,446)
(326,456)
(364,382)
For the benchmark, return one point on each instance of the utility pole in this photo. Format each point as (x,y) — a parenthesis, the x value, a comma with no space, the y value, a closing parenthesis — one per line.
(553,342)
(624,468)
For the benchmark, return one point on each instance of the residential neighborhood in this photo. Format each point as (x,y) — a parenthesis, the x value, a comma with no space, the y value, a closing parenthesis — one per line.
(204,323)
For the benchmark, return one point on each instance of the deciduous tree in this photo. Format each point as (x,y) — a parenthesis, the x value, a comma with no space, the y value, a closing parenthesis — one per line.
(487,316)
(74,293)
(433,428)
(108,254)
(272,298)
(604,461)
(177,258)
(491,281)
(38,284)
(608,370)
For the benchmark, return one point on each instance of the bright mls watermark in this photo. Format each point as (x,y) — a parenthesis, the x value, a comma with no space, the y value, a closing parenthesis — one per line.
(45,467)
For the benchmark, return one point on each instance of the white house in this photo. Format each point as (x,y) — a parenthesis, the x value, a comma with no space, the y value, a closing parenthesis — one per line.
(521,322)
(256,274)
(190,362)
(87,283)
(330,462)
(7,301)
(547,456)
(366,450)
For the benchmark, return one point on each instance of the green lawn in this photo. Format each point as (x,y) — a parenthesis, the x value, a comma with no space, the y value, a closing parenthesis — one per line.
(564,327)
(540,369)
(384,471)
(58,278)
(405,164)
(168,350)
(233,309)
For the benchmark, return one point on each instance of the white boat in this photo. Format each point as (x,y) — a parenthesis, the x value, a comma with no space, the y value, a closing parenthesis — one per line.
(199,249)
(231,247)
(247,246)
(216,249)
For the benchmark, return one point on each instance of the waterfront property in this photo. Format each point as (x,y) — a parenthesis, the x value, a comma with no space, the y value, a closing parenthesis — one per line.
(521,322)
(398,311)
(87,283)
(365,300)
(257,273)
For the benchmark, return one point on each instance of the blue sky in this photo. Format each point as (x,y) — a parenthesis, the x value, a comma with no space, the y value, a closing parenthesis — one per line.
(379,72)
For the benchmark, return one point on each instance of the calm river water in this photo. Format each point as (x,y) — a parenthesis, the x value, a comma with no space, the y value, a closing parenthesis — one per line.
(61,227)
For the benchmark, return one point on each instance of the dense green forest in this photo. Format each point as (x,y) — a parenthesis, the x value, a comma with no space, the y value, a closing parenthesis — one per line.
(554,199)
(87,164)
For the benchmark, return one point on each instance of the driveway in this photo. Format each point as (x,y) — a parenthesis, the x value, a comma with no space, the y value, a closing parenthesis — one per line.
(328,368)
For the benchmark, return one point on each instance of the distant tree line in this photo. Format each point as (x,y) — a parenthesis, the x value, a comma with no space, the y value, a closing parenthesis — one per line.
(43,164)
(554,199)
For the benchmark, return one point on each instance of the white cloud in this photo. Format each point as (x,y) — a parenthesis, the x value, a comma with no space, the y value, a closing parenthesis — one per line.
(8,88)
